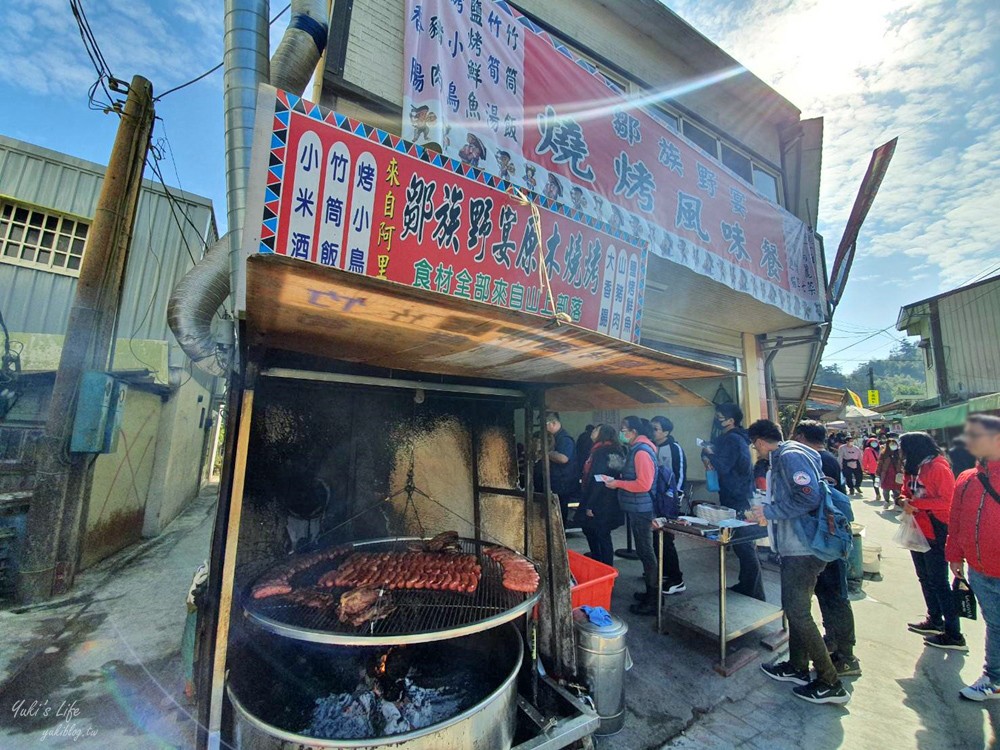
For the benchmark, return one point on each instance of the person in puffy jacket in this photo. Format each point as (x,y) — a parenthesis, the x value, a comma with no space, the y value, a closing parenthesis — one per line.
(729,455)
(635,498)
(599,510)
(869,461)
(890,471)
(974,538)
(928,487)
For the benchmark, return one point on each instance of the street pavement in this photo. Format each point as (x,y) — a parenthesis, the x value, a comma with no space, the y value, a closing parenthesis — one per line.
(107,660)
(101,667)
(907,697)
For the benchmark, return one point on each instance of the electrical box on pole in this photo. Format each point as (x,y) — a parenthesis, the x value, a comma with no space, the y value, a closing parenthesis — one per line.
(99,411)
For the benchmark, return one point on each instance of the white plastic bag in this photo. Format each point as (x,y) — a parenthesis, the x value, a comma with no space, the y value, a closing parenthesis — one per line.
(909,536)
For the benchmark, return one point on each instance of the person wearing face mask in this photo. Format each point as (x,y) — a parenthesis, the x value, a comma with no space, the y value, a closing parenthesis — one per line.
(635,498)
(850,461)
(729,455)
(890,472)
(869,461)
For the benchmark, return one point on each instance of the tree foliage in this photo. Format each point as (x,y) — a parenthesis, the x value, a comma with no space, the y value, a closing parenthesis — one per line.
(902,373)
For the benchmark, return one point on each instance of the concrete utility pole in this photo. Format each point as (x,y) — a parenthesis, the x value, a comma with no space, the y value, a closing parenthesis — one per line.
(58,507)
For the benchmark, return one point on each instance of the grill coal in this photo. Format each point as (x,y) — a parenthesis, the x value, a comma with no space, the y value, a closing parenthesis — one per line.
(419,615)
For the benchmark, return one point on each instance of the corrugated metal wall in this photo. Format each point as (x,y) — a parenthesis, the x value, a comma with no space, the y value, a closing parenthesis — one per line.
(970,333)
(38,301)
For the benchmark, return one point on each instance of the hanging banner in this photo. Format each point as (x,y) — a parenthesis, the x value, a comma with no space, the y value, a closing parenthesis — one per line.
(495,91)
(328,189)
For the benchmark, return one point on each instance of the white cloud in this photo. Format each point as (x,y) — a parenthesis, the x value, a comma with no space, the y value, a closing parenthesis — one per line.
(924,70)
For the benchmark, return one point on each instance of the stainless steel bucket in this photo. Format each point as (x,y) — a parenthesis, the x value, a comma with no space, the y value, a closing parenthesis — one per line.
(488,725)
(603,659)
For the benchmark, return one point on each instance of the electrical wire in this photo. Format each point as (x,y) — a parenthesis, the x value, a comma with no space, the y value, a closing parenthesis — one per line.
(215,68)
(172,201)
(97,59)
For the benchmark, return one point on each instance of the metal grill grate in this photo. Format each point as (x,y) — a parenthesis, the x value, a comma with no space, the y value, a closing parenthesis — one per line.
(419,616)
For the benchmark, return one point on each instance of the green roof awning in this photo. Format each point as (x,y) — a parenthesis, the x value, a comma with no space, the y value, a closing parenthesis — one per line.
(939,419)
(990,402)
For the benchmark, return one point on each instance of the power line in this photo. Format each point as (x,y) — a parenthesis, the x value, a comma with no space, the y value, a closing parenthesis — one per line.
(93,50)
(215,68)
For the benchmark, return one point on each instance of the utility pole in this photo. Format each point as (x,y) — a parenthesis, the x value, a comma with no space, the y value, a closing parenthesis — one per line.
(871,379)
(58,507)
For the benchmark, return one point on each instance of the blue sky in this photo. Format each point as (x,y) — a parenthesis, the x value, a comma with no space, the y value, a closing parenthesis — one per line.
(924,70)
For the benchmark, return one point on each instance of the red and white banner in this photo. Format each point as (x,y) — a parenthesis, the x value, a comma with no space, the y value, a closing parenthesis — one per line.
(490,88)
(328,189)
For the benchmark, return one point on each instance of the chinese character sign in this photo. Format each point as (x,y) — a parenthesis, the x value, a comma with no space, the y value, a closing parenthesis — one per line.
(343,194)
(498,93)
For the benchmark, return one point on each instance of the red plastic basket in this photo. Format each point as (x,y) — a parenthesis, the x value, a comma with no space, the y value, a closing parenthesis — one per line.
(594,581)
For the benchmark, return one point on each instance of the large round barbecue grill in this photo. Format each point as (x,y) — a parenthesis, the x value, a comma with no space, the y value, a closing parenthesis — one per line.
(419,616)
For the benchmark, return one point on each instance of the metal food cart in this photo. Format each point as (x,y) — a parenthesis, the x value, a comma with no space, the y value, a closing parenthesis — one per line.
(373,413)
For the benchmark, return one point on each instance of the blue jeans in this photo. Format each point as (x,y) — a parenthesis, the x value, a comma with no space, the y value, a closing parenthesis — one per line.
(987,591)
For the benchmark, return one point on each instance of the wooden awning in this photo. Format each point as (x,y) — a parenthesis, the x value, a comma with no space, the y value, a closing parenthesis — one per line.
(305,307)
(622,396)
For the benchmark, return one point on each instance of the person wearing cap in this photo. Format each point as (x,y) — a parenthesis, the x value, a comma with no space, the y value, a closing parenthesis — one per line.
(850,457)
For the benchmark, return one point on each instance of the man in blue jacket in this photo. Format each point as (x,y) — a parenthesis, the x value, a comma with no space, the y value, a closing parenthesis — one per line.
(729,455)
(794,494)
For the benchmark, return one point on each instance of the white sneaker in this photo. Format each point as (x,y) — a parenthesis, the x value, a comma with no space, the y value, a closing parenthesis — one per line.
(677,588)
(983,689)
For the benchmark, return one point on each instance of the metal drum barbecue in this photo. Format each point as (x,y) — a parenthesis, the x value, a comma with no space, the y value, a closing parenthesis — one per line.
(419,615)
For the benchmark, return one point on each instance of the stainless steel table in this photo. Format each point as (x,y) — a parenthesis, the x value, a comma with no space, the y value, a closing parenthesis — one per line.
(725,615)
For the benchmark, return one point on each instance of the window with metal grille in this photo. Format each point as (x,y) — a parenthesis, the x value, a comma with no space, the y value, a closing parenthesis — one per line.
(32,237)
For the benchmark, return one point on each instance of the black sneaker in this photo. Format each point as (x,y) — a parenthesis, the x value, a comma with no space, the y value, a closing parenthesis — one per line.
(669,589)
(783,671)
(818,691)
(926,627)
(847,667)
(952,642)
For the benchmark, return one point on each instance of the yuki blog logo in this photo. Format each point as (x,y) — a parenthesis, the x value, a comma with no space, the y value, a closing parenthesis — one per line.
(66,714)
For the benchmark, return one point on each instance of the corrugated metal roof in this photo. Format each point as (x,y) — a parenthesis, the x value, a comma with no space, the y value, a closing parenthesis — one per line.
(38,301)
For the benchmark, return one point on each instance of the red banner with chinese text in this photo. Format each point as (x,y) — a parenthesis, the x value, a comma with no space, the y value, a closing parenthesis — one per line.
(495,91)
(344,194)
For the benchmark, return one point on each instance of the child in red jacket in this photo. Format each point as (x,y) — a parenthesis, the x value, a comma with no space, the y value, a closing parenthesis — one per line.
(928,487)
(974,537)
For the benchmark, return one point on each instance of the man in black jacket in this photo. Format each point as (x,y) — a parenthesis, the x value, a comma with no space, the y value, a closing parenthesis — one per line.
(729,455)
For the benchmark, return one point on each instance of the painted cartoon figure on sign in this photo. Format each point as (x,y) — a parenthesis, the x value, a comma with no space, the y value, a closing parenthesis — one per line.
(473,151)
(636,227)
(529,177)
(578,199)
(421,118)
(553,188)
(506,169)
(617,220)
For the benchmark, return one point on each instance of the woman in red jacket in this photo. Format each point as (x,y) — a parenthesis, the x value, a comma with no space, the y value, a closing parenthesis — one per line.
(928,487)
(974,537)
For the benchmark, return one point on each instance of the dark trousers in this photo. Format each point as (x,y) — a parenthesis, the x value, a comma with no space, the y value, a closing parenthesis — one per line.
(853,477)
(932,572)
(642,532)
(838,617)
(599,538)
(751,581)
(805,644)
(671,564)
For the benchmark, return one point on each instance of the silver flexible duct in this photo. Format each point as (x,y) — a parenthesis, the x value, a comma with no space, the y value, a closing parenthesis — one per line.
(300,48)
(204,288)
(195,299)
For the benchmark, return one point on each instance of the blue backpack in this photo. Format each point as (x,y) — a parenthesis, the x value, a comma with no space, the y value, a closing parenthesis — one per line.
(833,539)
(666,498)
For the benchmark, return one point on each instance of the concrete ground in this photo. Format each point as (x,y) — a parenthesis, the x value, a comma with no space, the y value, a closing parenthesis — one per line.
(107,661)
(907,697)
(101,667)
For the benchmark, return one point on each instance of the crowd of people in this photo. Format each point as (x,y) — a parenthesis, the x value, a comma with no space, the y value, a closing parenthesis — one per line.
(638,471)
